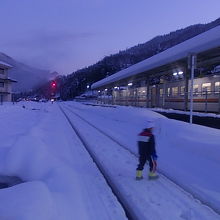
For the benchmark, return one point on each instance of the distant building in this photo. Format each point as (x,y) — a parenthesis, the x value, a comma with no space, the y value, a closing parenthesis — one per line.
(5,83)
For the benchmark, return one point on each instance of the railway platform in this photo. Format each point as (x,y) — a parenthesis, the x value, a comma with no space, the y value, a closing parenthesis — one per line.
(213,122)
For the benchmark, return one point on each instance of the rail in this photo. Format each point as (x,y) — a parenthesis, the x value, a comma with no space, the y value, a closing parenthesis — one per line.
(129,212)
(181,186)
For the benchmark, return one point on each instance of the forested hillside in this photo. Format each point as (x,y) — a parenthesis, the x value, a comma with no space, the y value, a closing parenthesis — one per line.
(76,83)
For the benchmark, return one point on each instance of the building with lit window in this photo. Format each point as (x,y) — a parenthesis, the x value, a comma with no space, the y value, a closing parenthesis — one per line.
(5,83)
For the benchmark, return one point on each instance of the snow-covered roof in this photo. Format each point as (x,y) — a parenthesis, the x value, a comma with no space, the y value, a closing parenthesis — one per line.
(5,64)
(200,43)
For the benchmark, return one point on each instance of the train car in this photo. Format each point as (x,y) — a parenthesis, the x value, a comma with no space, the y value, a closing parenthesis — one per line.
(206,95)
(171,95)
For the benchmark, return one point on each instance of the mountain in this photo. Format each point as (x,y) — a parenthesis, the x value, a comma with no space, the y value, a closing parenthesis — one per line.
(27,77)
(77,82)
(53,75)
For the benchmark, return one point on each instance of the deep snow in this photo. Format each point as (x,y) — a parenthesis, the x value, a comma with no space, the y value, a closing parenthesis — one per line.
(62,182)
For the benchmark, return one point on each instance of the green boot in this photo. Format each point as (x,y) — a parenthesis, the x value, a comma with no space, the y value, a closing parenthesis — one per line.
(152,176)
(139,175)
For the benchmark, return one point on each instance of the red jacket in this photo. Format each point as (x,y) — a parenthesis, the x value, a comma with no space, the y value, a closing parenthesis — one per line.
(146,143)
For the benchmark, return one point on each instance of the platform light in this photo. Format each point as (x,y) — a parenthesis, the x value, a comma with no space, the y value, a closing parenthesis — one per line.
(116,87)
(130,84)
(106,89)
(180,72)
(87,86)
(99,91)
(174,74)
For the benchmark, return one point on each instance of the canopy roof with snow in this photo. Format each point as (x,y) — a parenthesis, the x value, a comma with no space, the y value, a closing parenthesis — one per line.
(198,44)
(6,65)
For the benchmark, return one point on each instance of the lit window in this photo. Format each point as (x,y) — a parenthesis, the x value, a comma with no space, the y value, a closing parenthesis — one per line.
(195,89)
(168,92)
(161,92)
(182,90)
(175,91)
(206,88)
(217,87)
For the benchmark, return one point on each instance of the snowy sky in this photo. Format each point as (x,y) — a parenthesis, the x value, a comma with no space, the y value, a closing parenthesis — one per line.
(70,34)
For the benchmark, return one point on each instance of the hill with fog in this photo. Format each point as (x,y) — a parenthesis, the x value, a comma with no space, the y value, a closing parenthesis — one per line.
(28,78)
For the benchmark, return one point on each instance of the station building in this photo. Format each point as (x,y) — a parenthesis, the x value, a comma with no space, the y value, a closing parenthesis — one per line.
(5,83)
(164,80)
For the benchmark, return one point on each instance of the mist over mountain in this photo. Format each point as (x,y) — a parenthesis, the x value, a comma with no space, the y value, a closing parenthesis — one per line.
(28,78)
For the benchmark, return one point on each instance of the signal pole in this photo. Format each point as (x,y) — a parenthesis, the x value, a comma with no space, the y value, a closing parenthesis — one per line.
(53,86)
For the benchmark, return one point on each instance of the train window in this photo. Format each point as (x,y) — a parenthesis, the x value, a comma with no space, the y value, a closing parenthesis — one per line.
(1,71)
(182,90)
(138,92)
(161,92)
(195,89)
(168,92)
(142,94)
(175,91)
(217,87)
(206,88)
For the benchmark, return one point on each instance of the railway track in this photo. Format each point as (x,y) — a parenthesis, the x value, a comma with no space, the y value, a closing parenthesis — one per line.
(131,215)
(123,201)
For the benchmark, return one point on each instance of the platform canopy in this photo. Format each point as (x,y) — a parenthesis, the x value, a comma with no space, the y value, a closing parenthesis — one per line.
(198,44)
(5,65)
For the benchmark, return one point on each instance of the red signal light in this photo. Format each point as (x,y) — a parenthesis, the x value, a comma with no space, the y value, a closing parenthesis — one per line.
(53,84)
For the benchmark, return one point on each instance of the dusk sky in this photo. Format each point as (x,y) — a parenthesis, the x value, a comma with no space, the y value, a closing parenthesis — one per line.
(66,35)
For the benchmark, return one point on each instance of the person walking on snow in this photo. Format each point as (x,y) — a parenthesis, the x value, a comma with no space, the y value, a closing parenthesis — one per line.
(147,152)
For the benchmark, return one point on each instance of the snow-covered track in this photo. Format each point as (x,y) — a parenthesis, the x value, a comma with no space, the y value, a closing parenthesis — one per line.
(181,187)
(130,213)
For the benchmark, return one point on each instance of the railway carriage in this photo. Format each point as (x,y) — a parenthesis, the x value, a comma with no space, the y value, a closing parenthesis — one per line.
(206,95)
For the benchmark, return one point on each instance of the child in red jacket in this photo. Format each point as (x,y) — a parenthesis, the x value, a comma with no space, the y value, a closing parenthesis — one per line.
(147,152)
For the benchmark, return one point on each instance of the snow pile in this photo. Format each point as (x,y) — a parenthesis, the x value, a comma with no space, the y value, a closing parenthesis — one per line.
(37,147)
(188,154)
(60,180)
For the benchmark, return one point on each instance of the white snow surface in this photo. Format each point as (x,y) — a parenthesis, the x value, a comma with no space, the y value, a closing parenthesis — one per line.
(60,180)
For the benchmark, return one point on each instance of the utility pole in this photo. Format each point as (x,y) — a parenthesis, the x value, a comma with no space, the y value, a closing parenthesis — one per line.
(191,65)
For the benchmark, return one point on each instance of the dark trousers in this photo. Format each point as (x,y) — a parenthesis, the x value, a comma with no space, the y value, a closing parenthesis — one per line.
(144,156)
